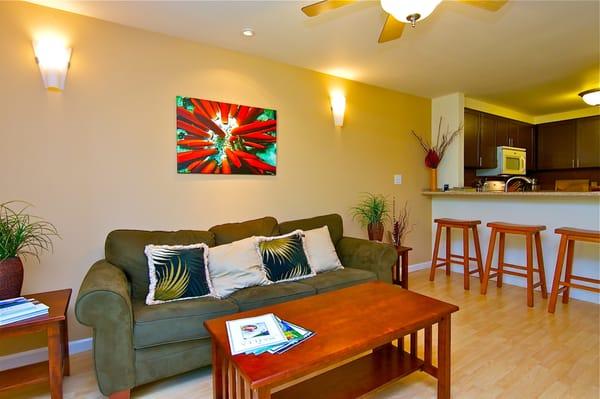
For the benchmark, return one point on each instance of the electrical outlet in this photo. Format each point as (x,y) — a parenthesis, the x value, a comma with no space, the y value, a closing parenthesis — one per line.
(397,179)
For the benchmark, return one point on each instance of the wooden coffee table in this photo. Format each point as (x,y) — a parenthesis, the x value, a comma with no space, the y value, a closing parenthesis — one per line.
(348,323)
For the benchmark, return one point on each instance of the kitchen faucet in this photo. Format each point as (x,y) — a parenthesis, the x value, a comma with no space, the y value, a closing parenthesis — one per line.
(524,178)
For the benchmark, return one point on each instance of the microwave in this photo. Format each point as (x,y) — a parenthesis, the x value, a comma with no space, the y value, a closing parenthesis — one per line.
(510,161)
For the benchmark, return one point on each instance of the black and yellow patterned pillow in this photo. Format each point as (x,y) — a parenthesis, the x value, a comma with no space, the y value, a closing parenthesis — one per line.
(177,272)
(284,257)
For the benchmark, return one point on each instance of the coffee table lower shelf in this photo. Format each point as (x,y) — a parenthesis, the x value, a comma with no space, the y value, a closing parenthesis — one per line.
(357,377)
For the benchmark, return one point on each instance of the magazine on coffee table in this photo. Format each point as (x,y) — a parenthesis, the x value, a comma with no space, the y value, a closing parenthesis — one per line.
(246,335)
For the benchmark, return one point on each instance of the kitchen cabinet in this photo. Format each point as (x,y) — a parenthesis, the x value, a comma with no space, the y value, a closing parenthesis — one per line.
(471,135)
(556,145)
(587,147)
(522,135)
(569,144)
(487,141)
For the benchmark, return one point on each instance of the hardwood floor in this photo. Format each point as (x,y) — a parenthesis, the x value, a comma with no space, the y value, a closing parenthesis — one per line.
(500,349)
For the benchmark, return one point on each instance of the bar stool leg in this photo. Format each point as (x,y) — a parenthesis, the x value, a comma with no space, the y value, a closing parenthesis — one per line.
(478,253)
(569,270)
(529,249)
(436,250)
(467,276)
(500,260)
(448,249)
(540,263)
(560,259)
(488,262)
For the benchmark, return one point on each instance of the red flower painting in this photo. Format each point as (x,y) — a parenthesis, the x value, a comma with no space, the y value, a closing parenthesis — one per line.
(221,138)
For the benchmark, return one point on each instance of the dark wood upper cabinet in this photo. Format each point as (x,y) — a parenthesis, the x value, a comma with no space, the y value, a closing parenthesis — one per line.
(487,141)
(471,135)
(503,132)
(523,136)
(587,147)
(556,145)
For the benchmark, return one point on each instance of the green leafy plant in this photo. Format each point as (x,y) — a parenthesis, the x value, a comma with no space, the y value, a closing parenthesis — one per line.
(22,234)
(371,209)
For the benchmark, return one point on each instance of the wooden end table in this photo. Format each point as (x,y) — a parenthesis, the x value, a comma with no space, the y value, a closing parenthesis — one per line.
(347,323)
(55,325)
(400,269)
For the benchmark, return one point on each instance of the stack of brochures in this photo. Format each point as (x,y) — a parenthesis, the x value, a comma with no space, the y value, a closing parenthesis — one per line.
(18,309)
(266,333)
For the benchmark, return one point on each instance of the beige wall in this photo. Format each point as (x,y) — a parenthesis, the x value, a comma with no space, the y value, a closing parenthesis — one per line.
(101,155)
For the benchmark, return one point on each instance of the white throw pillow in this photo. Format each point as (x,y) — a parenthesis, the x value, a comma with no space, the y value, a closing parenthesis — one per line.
(321,251)
(235,266)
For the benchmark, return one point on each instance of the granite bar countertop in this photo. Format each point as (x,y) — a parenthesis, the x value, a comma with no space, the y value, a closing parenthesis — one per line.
(458,193)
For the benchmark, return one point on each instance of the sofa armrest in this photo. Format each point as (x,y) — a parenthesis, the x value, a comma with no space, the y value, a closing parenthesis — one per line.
(368,255)
(104,303)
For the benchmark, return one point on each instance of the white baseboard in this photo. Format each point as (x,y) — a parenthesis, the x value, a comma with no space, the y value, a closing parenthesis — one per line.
(419,266)
(40,354)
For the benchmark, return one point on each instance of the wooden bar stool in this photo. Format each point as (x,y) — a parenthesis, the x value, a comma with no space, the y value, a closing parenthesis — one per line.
(463,259)
(567,243)
(531,233)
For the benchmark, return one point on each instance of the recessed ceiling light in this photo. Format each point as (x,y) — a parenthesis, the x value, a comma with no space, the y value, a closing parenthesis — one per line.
(591,97)
(248,32)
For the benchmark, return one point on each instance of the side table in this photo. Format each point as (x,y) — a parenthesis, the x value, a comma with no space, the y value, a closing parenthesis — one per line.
(400,269)
(55,325)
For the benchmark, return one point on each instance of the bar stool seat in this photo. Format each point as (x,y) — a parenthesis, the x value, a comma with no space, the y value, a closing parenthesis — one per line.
(567,244)
(531,233)
(450,258)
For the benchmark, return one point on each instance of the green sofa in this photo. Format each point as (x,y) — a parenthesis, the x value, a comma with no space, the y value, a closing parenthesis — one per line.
(135,344)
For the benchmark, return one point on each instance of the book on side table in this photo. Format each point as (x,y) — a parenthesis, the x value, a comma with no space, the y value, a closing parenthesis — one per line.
(18,309)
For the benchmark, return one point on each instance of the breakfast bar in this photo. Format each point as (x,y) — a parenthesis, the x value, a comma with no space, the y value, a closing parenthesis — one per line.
(549,208)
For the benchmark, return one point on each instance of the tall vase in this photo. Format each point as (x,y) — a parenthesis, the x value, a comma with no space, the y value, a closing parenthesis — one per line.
(433,179)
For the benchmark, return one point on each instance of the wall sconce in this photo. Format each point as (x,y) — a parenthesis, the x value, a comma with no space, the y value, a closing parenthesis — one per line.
(53,57)
(338,107)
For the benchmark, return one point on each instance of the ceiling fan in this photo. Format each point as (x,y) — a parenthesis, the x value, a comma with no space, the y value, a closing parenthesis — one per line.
(400,12)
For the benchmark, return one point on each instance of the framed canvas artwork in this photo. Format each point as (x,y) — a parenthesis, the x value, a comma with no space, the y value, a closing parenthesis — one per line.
(221,138)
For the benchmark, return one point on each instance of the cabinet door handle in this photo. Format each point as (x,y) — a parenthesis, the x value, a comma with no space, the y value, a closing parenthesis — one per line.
(572,163)
(578,163)
(480,161)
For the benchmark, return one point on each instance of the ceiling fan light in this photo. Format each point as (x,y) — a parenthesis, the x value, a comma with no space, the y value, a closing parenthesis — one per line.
(591,97)
(406,10)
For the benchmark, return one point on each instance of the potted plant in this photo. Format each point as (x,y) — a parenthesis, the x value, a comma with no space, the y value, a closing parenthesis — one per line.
(371,212)
(21,234)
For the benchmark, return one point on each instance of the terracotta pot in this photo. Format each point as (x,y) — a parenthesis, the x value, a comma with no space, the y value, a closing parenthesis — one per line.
(433,179)
(375,231)
(11,278)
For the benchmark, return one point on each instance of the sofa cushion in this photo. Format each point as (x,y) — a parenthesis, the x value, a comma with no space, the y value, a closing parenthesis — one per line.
(284,257)
(177,321)
(177,273)
(264,295)
(332,221)
(125,249)
(235,266)
(334,280)
(229,232)
(320,250)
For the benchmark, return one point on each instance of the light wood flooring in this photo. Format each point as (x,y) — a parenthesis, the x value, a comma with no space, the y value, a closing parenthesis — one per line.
(500,349)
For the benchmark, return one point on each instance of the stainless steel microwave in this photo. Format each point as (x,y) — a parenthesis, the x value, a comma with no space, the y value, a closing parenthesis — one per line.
(510,161)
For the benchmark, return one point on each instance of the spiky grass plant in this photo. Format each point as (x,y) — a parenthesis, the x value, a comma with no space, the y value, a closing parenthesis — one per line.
(22,234)
(371,209)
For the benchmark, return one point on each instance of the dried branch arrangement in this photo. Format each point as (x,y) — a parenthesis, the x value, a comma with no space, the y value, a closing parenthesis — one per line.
(435,153)
(400,224)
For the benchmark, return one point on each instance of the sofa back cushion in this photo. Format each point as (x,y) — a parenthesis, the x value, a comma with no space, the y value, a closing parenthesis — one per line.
(125,249)
(333,222)
(230,232)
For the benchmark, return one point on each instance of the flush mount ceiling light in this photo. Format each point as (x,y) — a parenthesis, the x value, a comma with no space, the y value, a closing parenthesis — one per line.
(591,97)
(53,57)
(248,32)
(409,11)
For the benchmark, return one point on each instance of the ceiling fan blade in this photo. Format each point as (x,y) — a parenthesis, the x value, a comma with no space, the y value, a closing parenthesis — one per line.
(392,29)
(320,7)
(490,5)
